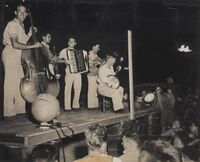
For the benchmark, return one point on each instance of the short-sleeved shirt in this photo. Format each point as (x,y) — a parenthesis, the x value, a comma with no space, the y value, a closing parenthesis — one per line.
(92,68)
(63,55)
(14,28)
(92,57)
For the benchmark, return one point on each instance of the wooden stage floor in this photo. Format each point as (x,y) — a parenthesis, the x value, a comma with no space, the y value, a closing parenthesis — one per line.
(20,131)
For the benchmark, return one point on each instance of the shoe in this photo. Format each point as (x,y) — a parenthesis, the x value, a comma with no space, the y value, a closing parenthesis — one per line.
(76,109)
(67,110)
(120,111)
(93,109)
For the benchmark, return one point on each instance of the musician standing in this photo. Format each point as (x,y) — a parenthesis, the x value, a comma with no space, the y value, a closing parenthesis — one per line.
(15,40)
(105,88)
(46,40)
(71,79)
(94,62)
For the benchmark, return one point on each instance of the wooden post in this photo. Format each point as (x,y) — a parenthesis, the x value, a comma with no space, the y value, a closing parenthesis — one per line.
(2,14)
(130,67)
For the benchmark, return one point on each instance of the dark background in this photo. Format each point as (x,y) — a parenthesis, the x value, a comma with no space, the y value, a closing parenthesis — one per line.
(159,27)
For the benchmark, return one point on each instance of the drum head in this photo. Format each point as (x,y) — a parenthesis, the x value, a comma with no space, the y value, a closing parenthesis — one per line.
(149,98)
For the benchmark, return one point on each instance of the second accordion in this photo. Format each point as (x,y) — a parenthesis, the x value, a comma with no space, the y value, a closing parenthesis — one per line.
(79,60)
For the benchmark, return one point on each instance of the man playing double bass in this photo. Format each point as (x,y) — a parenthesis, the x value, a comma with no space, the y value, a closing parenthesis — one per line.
(15,40)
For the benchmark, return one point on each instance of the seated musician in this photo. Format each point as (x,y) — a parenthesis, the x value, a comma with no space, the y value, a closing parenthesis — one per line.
(73,79)
(94,63)
(109,84)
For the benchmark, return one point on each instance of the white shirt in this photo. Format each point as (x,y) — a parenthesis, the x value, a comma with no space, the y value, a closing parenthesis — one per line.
(63,55)
(14,28)
(104,72)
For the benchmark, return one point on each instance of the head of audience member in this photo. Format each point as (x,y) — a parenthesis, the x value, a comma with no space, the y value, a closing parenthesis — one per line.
(169,91)
(145,156)
(95,137)
(144,92)
(170,80)
(96,48)
(111,58)
(72,42)
(46,38)
(158,90)
(21,12)
(162,151)
(130,142)
(43,153)
(193,130)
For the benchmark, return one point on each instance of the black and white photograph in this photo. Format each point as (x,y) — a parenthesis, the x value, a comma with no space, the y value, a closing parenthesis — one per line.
(99,80)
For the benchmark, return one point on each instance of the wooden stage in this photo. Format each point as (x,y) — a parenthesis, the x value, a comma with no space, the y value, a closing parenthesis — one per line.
(20,131)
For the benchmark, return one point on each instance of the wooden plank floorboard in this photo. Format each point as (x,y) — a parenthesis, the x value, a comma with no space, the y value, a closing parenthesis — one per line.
(21,131)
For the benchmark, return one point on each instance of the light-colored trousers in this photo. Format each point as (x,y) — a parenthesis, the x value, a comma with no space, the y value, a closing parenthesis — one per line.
(13,101)
(115,94)
(75,81)
(93,101)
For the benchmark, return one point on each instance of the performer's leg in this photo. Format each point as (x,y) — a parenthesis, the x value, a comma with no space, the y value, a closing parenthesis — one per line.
(93,101)
(117,98)
(19,101)
(68,89)
(9,83)
(115,94)
(77,90)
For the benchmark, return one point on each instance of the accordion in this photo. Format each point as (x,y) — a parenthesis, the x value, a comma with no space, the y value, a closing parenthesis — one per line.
(79,60)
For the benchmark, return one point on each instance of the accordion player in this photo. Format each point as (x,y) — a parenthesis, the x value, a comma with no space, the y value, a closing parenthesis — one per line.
(79,58)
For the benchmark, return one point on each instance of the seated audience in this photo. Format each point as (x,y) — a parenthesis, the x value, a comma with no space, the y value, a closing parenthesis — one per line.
(145,156)
(176,135)
(95,137)
(162,151)
(192,147)
(131,146)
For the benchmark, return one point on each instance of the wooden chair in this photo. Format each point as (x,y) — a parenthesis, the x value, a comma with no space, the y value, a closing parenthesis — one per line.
(105,103)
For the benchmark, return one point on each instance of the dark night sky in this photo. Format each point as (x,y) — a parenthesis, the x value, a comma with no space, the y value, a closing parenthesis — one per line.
(158,30)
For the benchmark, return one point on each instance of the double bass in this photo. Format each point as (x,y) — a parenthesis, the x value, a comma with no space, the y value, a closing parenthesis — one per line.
(35,65)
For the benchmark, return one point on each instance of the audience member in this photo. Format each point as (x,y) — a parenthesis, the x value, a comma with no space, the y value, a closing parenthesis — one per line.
(44,153)
(95,137)
(131,146)
(192,148)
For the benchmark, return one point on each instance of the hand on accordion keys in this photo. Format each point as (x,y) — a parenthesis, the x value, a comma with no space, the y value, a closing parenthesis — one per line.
(114,82)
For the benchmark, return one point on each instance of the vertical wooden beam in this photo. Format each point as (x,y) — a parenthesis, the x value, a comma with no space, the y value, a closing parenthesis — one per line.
(198,44)
(2,14)
(130,66)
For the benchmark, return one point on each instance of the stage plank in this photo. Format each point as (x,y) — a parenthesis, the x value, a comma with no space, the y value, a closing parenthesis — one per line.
(20,131)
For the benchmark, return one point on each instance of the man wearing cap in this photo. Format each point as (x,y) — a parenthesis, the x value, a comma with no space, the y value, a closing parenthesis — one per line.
(105,78)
